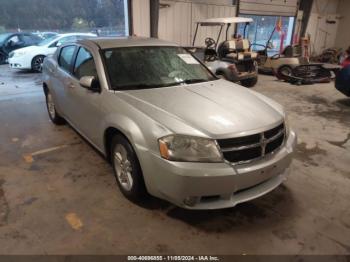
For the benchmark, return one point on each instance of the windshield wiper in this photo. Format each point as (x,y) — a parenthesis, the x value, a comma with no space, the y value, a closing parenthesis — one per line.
(147,86)
(135,87)
(187,82)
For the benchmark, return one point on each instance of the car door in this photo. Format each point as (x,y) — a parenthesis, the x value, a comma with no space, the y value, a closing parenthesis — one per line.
(61,78)
(83,103)
(12,43)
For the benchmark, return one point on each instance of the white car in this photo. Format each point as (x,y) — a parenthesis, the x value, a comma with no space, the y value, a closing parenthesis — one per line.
(32,57)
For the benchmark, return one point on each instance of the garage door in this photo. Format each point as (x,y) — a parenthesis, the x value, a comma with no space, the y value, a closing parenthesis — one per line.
(269,7)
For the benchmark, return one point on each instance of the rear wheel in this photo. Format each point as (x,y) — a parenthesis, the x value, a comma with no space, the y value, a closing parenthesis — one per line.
(250,82)
(221,76)
(127,169)
(51,109)
(285,70)
(37,63)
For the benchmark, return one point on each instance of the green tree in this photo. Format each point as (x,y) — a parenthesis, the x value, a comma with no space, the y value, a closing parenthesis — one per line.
(80,24)
(60,15)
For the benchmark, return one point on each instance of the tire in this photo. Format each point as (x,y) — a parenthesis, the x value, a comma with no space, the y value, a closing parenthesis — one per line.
(37,63)
(127,170)
(51,109)
(221,76)
(250,82)
(285,71)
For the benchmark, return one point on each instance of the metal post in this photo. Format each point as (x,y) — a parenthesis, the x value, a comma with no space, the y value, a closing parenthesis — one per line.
(195,34)
(217,41)
(228,27)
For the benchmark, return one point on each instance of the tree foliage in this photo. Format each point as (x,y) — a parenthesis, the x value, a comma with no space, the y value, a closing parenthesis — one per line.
(60,14)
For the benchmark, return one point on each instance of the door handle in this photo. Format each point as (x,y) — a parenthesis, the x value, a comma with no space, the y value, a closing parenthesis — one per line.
(71,85)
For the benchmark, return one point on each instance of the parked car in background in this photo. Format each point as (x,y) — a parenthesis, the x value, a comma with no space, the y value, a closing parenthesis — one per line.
(168,125)
(45,35)
(13,41)
(32,57)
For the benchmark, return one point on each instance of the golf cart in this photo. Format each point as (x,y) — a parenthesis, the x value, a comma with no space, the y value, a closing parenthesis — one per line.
(291,66)
(291,57)
(231,59)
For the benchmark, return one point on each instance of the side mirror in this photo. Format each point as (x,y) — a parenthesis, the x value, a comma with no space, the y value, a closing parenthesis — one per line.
(91,83)
(58,44)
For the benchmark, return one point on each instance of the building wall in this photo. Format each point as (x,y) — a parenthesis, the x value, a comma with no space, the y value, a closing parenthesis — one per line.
(268,7)
(323,34)
(177,19)
(141,17)
(343,35)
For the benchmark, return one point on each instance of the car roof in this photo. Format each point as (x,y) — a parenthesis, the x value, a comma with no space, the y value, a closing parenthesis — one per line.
(116,42)
(225,20)
(72,34)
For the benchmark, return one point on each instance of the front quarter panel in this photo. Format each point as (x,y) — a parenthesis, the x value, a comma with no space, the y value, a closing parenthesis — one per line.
(141,130)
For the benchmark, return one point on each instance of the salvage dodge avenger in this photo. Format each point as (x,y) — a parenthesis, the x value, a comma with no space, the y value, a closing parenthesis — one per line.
(168,126)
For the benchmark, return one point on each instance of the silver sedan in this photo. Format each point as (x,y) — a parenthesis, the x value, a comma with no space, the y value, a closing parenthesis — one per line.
(168,126)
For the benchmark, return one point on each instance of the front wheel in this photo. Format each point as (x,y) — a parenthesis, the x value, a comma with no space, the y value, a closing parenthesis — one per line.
(250,82)
(51,109)
(127,169)
(37,63)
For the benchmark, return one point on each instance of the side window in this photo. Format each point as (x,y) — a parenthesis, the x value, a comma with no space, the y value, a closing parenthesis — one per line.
(13,40)
(66,57)
(84,64)
(28,39)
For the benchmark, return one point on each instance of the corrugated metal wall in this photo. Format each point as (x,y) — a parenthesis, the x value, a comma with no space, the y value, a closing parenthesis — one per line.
(141,17)
(177,20)
(323,34)
(268,7)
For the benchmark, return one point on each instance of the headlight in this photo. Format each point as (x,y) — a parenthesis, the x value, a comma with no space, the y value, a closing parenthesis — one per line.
(19,53)
(286,124)
(184,148)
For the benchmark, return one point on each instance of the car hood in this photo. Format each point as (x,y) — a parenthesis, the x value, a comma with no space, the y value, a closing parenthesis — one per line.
(216,108)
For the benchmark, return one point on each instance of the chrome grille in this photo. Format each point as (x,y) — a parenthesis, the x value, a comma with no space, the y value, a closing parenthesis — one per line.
(245,149)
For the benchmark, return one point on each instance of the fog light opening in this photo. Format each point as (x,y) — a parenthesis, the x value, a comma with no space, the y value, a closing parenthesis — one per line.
(191,201)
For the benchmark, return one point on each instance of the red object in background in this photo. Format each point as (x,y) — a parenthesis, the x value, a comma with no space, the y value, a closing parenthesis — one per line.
(346,62)
(279,25)
(283,35)
(279,29)
(296,39)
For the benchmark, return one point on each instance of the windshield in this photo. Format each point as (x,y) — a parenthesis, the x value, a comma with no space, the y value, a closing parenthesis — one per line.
(3,38)
(153,67)
(47,40)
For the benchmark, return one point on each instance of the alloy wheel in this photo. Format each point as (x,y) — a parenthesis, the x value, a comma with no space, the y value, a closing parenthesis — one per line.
(51,106)
(123,167)
(38,63)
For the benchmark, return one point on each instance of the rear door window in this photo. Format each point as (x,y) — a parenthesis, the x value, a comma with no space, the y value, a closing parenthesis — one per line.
(66,57)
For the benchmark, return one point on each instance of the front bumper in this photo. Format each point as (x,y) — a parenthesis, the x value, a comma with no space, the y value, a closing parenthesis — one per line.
(20,63)
(217,185)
